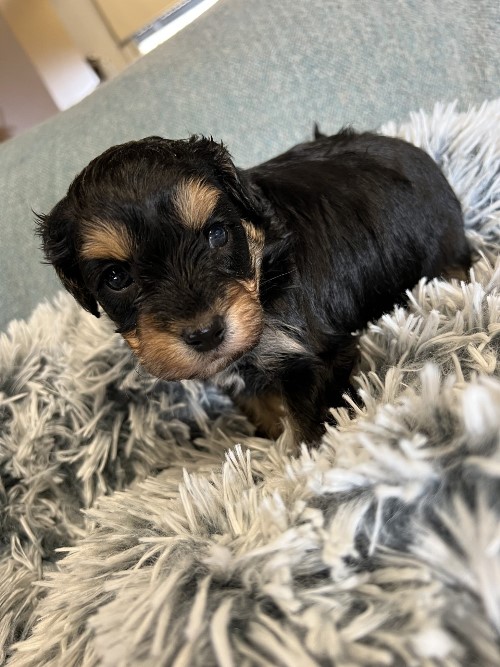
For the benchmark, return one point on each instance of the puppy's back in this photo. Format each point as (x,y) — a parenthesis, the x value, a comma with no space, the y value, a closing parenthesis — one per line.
(368,214)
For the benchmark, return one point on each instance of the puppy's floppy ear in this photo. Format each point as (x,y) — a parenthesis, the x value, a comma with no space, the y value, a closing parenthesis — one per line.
(57,231)
(234,180)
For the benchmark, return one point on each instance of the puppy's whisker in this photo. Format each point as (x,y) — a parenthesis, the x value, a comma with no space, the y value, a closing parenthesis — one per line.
(280,275)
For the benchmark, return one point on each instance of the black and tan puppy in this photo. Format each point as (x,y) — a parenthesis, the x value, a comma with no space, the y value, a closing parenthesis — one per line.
(256,279)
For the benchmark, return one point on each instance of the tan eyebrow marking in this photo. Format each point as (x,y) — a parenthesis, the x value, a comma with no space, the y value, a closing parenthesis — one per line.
(195,202)
(106,240)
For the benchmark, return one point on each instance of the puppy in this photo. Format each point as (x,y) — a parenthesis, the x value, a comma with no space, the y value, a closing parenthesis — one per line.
(255,278)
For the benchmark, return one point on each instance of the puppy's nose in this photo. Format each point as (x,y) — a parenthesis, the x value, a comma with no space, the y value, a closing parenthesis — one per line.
(205,338)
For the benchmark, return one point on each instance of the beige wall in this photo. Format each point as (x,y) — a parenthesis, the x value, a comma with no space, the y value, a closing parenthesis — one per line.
(86,27)
(60,65)
(44,45)
(24,100)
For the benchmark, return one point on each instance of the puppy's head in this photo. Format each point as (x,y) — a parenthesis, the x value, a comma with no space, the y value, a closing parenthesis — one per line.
(167,238)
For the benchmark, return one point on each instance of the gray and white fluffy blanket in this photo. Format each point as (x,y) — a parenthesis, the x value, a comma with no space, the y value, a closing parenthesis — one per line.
(143,524)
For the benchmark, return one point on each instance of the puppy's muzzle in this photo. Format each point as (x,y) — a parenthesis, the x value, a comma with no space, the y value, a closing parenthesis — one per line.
(203,345)
(206,337)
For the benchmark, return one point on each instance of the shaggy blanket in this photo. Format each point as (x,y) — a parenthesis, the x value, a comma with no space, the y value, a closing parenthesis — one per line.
(142,523)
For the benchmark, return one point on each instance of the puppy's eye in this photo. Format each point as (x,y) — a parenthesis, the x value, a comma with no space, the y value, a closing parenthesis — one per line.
(117,278)
(217,236)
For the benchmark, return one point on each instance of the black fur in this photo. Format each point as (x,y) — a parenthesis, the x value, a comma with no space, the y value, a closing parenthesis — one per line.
(350,222)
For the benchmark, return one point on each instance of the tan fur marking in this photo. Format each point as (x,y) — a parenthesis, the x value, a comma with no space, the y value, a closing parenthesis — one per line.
(132,340)
(106,240)
(256,240)
(163,352)
(244,315)
(195,202)
(456,273)
(266,412)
